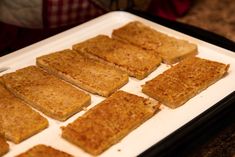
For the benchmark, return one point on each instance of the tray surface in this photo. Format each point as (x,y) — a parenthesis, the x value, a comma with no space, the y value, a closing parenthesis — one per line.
(158,127)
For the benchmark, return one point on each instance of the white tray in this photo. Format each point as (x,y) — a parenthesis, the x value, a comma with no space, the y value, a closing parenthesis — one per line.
(158,127)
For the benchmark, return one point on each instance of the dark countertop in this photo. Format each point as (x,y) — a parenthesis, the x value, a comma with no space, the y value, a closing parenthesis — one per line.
(218,140)
(220,143)
(217,16)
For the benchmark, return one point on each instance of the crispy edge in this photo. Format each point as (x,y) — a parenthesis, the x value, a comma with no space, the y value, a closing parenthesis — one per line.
(68,133)
(191,53)
(38,107)
(17,140)
(137,74)
(4,146)
(42,64)
(37,151)
(147,91)
(165,59)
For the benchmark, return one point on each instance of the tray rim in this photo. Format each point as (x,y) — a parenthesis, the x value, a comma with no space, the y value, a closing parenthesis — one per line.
(26,50)
(120,13)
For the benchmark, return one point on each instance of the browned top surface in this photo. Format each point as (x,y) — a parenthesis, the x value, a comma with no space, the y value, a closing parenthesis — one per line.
(109,121)
(84,70)
(140,34)
(196,72)
(185,79)
(168,90)
(144,36)
(4,147)
(44,151)
(18,120)
(48,93)
(125,55)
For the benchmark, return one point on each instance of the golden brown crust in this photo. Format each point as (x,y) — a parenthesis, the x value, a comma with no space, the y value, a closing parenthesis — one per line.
(83,72)
(131,59)
(109,121)
(169,48)
(167,90)
(180,83)
(46,93)
(44,151)
(4,147)
(18,121)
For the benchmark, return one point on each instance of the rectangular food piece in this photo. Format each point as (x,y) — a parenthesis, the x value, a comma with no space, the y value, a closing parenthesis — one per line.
(4,147)
(17,120)
(44,151)
(84,72)
(45,92)
(131,59)
(109,121)
(183,81)
(169,48)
